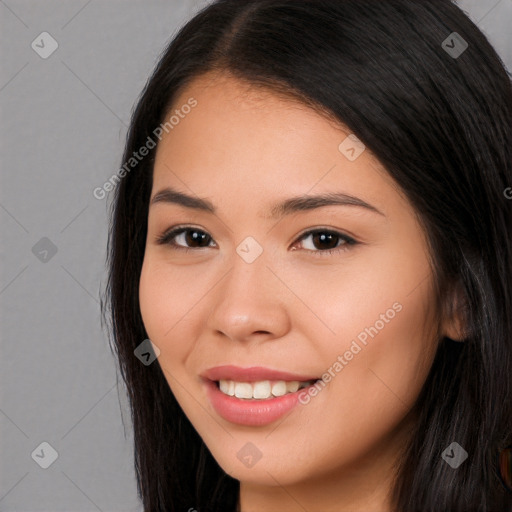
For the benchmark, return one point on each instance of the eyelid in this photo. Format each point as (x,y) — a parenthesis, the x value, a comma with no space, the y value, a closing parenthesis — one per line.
(174,231)
(349,241)
(327,229)
(177,230)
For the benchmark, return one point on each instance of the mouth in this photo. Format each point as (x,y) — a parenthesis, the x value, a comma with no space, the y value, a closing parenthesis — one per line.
(263,389)
(251,411)
(254,396)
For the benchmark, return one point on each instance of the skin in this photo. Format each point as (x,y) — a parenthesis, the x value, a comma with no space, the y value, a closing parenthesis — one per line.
(245,149)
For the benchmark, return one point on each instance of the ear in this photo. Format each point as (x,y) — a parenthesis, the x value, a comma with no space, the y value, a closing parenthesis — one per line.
(454,323)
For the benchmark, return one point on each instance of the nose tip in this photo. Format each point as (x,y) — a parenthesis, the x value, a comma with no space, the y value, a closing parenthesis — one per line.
(248,303)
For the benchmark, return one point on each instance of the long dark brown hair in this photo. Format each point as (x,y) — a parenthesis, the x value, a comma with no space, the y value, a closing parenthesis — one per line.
(441,125)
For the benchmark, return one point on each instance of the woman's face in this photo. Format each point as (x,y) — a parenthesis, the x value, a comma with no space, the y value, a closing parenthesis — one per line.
(337,288)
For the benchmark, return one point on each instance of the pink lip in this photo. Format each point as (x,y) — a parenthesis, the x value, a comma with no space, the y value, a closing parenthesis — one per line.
(252,374)
(251,412)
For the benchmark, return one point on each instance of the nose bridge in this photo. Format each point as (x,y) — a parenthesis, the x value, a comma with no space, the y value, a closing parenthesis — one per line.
(249,283)
(247,299)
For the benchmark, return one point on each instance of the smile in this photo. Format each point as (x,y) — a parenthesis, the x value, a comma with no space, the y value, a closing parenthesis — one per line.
(261,390)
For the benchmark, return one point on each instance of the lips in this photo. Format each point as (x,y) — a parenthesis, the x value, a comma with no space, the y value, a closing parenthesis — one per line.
(252,411)
(253,374)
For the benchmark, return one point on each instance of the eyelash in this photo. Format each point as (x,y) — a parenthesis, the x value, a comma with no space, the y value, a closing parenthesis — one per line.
(166,238)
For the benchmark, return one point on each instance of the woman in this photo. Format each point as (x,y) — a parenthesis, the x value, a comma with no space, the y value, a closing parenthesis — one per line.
(315,235)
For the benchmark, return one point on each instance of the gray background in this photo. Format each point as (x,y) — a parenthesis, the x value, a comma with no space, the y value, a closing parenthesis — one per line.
(62,126)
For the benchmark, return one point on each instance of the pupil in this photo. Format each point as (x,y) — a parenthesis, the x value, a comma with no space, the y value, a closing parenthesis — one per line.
(195,236)
(322,237)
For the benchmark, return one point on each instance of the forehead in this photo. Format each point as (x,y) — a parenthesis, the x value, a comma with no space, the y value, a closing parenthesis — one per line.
(247,139)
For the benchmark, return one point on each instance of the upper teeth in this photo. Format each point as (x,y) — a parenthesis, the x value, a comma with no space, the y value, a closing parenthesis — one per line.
(260,390)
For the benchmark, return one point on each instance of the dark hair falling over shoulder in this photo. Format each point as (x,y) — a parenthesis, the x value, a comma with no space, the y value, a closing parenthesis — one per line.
(442,127)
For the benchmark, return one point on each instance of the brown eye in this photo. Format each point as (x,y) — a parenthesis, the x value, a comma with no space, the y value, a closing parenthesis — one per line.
(322,241)
(185,238)
(325,240)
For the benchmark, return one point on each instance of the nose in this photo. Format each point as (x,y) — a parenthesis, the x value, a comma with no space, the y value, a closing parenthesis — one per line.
(249,303)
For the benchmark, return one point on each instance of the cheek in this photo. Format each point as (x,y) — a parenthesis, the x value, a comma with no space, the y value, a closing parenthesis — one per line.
(153,300)
(375,385)
(172,301)
(368,291)
(401,354)
(386,358)
(162,304)
(378,316)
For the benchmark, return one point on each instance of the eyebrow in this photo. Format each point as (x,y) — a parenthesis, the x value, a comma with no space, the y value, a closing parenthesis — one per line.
(290,205)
